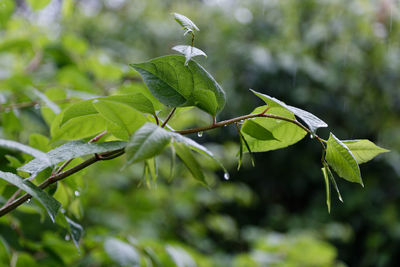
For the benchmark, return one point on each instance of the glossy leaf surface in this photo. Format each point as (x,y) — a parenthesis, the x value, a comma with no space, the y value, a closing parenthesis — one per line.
(311,120)
(340,158)
(265,134)
(177,85)
(364,150)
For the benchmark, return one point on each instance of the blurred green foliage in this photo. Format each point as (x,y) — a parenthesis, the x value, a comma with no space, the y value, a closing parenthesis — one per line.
(335,58)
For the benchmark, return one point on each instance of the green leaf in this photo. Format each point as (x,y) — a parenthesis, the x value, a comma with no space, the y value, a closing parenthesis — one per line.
(197,147)
(186,23)
(25,149)
(38,4)
(68,151)
(147,142)
(189,52)
(257,131)
(177,85)
(124,119)
(77,128)
(137,101)
(150,140)
(51,205)
(284,133)
(364,150)
(327,187)
(332,178)
(190,161)
(311,120)
(122,253)
(78,109)
(340,158)
(75,230)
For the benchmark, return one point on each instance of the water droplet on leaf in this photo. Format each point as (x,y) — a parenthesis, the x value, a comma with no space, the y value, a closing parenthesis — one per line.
(200,134)
(36,106)
(67,237)
(226,176)
(28,201)
(76,193)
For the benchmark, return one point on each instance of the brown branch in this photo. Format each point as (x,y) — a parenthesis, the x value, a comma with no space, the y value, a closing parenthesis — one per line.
(168,118)
(116,153)
(55,178)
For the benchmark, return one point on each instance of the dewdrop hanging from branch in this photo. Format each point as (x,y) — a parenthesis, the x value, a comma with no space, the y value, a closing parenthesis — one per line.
(189,51)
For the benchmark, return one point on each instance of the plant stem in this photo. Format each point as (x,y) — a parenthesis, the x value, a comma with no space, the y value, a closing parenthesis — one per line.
(9,206)
(168,118)
(55,178)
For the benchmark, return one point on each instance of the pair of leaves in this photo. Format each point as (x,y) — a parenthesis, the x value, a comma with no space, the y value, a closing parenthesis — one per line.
(265,134)
(120,114)
(311,120)
(345,156)
(150,140)
(177,85)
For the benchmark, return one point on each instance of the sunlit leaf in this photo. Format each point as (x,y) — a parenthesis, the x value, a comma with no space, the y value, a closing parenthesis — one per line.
(51,205)
(332,178)
(122,119)
(283,133)
(364,150)
(311,120)
(340,158)
(327,188)
(257,131)
(78,109)
(137,101)
(189,52)
(77,128)
(177,85)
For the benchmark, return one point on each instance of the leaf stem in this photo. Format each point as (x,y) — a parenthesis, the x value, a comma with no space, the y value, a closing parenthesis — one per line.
(168,118)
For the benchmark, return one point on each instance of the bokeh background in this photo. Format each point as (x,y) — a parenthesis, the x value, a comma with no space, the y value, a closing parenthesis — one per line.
(335,58)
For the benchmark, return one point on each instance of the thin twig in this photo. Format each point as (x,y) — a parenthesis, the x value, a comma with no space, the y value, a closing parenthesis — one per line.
(97,137)
(116,153)
(55,178)
(168,118)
